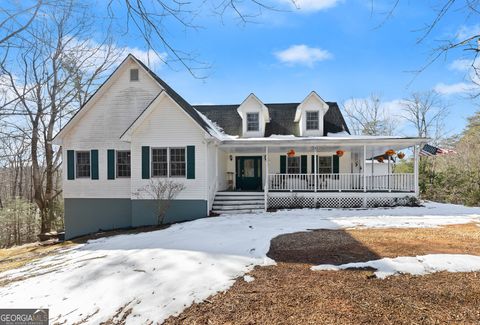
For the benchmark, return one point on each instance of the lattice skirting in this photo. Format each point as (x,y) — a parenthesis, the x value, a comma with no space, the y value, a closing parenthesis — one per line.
(296,201)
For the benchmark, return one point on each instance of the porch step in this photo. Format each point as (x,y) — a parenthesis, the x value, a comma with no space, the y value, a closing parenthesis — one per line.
(238,202)
(238,211)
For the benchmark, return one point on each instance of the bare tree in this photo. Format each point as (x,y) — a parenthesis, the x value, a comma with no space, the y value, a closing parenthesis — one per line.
(426,113)
(51,75)
(369,116)
(163,191)
(15,18)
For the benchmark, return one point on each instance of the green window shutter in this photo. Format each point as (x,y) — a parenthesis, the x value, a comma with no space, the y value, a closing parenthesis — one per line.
(70,164)
(303,164)
(313,163)
(283,164)
(336,164)
(190,162)
(145,162)
(94,163)
(110,164)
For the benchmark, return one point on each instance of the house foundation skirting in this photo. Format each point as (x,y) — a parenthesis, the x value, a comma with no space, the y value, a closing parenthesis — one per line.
(89,215)
(283,200)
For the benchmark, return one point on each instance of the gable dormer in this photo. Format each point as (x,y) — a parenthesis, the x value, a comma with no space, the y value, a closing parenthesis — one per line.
(254,116)
(310,114)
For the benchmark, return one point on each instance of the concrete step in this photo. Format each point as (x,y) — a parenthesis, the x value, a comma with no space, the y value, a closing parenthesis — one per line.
(238,202)
(231,193)
(239,198)
(237,207)
(239,211)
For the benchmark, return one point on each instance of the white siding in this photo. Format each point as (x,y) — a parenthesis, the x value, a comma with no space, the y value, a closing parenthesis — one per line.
(113,110)
(222,180)
(169,126)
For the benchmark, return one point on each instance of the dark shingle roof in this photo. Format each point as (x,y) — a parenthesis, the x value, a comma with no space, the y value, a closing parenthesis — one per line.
(282,118)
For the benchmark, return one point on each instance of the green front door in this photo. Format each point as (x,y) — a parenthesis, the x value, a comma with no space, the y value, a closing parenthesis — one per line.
(249,173)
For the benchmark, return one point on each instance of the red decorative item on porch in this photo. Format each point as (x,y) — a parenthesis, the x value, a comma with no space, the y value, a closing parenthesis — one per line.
(380,159)
(390,152)
(401,155)
(291,153)
(340,153)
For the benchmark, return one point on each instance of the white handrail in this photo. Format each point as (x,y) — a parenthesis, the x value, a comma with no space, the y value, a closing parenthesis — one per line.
(341,182)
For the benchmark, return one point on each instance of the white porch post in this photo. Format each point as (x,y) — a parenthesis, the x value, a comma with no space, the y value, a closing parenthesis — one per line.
(266,179)
(364,164)
(415,168)
(315,168)
(364,168)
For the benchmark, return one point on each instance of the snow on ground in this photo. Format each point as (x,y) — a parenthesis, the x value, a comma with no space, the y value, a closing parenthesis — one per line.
(418,265)
(161,273)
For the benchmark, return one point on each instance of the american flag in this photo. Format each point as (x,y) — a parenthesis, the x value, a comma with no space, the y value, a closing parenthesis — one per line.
(429,150)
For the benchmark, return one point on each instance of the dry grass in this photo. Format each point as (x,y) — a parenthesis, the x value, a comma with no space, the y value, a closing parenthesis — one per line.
(290,293)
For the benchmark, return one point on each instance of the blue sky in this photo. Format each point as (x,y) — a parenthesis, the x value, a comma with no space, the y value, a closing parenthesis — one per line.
(336,48)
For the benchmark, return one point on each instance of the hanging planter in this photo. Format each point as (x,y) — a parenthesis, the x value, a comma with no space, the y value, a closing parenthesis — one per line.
(340,153)
(291,153)
(401,155)
(380,159)
(390,152)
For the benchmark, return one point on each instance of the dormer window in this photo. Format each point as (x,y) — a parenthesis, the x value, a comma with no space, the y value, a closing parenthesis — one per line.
(133,74)
(253,122)
(312,121)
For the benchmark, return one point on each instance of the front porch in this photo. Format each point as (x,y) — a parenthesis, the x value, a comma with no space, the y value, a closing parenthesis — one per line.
(320,172)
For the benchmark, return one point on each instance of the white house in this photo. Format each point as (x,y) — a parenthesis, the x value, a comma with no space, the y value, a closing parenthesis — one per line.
(242,157)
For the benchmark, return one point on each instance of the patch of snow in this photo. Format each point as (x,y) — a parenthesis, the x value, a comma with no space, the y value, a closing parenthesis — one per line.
(165,271)
(215,129)
(282,136)
(339,134)
(248,278)
(419,265)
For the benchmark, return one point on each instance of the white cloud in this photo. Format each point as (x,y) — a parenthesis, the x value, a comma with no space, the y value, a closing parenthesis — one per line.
(465,32)
(303,54)
(455,88)
(312,5)
(461,65)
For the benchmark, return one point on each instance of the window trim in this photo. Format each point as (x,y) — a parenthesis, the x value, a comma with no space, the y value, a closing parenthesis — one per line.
(89,163)
(138,75)
(168,175)
(307,120)
(116,164)
(299,165)
(318,164)
(258,121)
(184,162)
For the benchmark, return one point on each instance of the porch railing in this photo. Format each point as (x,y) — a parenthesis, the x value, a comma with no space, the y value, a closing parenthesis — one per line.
(341,182)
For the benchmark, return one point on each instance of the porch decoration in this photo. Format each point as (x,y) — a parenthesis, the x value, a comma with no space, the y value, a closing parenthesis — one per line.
(401,155)
(380,159)
(340,153)
(390,152)
(291,153)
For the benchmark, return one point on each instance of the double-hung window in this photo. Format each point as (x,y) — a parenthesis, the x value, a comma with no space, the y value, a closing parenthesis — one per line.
(123,163)
(177,162)
(83,164)
(324,164)
(312,121)
(253,123)
(168,162)
(293,165)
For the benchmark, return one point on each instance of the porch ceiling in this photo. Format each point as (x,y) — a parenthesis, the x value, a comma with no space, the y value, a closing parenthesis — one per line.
(375,146)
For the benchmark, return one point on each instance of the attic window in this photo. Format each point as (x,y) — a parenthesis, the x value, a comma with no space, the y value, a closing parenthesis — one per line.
(312,121)
(253,122)
(133,74)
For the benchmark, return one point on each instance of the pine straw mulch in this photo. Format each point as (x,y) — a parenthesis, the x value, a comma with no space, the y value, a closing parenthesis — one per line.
(290,293)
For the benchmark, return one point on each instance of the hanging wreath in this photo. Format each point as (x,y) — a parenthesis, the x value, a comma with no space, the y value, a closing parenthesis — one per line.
(401,155)
(291,153)
(390,152)
(380,159)
(340,153)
